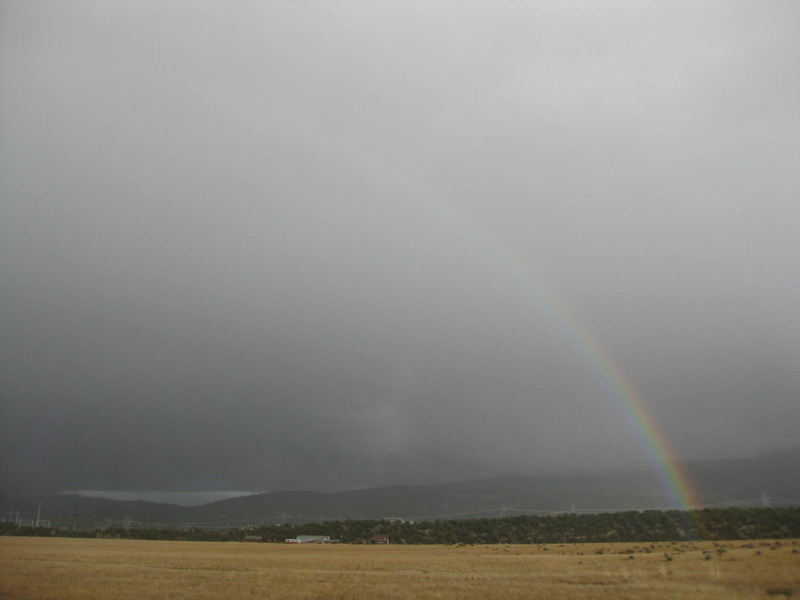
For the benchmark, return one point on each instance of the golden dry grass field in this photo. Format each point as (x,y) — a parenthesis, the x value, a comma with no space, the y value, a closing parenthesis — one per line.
(62,568)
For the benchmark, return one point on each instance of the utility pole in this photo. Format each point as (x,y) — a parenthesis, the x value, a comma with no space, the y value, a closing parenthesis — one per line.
(39,513)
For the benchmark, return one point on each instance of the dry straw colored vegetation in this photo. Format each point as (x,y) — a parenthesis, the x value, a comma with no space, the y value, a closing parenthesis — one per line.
(62,568)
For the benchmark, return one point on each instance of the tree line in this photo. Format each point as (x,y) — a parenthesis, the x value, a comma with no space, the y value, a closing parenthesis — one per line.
(633,526)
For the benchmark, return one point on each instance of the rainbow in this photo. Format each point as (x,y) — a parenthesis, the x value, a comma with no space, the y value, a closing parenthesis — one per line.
(630,401)
(325,141)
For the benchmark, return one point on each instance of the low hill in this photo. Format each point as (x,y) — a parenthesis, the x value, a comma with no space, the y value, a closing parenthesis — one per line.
(716,482)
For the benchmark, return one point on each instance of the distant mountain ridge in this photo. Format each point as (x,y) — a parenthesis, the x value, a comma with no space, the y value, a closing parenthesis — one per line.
(717,482)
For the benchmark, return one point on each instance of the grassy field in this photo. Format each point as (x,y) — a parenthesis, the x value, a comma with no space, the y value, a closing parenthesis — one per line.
(61,568)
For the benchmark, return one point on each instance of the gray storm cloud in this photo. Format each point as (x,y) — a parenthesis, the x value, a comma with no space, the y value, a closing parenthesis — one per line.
(253,246)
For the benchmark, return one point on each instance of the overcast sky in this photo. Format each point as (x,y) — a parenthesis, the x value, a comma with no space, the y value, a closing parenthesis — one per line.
(321,245)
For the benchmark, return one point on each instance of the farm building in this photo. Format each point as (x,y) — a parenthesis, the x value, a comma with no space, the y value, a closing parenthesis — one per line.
(312,539)
(379,539)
